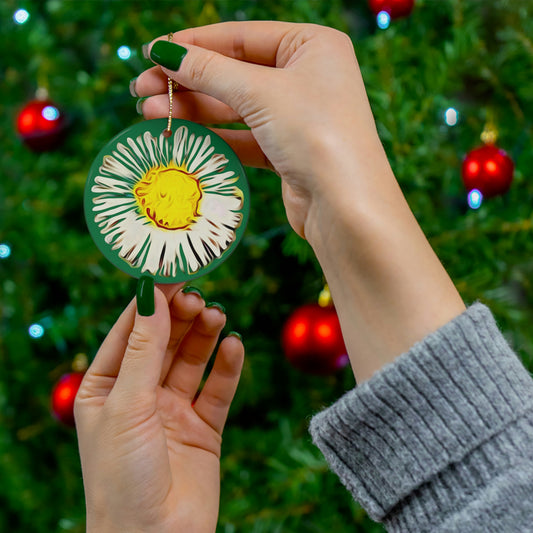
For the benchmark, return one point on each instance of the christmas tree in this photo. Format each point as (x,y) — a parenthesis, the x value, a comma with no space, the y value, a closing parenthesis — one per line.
(436,78)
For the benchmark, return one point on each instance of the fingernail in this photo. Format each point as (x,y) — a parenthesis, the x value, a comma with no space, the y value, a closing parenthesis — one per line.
(235,334)
(218,306)
(146,50)
(192,290)
(139,105)
(167,54)
(133,92)
(145,296)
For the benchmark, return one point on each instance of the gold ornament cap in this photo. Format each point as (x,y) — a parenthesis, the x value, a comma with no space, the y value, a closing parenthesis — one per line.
(324,298)
(80,363)
(489,135)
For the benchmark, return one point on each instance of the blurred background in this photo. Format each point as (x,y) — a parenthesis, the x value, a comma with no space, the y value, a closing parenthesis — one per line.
(438,75)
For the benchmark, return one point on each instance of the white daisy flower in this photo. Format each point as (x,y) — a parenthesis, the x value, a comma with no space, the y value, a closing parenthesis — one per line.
(167,205)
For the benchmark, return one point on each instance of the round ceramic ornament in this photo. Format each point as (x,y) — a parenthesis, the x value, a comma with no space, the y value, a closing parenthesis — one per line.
(170,203)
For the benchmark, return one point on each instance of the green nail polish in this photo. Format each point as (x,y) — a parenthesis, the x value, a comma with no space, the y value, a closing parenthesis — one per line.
(139,105)
(220,307)
(167,54)
(133,91)
(189,289)
(235,334)
(145,296)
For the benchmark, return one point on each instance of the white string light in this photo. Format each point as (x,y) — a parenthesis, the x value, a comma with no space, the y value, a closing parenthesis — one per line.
(451,116)
(21,16)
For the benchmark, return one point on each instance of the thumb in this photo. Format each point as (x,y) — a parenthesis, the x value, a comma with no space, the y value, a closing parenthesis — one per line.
(228,80)
(141,367)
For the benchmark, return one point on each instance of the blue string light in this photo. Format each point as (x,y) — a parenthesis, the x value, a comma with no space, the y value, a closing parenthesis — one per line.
(5,251)
(383,20)
(21,16)
(36,331)
(50,112)
(475,199)
(124,52)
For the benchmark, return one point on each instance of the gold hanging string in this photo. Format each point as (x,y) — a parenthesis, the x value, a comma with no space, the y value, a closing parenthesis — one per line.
(172,86)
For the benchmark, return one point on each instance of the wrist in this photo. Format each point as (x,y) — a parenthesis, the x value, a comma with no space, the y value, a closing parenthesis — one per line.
(350,194)
(389,288)
(103,521)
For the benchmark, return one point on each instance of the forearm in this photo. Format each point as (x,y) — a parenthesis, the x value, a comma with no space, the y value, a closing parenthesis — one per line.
(388,286)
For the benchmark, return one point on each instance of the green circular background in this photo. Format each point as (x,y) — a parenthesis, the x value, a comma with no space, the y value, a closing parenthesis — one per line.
(155,127)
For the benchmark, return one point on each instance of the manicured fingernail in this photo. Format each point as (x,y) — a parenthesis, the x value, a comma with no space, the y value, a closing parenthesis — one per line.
(139,105)
(192,290)
(167,54)
(220,307)
(133,92)
(235,334)
(145,296)
(146,50)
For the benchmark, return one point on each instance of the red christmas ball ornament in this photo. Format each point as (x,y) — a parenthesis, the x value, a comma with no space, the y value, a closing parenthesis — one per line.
(395,8)
(41,125)
(312,340)
(488,169)
(63,395)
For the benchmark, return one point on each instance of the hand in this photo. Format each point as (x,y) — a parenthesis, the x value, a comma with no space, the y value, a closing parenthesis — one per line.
(299,89)
(305,115)
(149,451)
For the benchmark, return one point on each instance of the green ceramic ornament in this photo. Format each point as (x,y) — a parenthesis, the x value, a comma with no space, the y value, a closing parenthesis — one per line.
(170,206)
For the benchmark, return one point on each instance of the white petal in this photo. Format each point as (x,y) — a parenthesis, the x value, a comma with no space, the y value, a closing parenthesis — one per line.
(205,151)
(218,208)
(180,138)
(124,156)
(145,164)
(151,149)
(164,149)
(110,185)
(111,206)
(222,183)
(113,167)
(215,164)
(141,244)
(192,148)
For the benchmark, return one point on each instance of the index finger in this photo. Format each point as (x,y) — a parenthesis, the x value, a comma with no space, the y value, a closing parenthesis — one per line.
(251,41)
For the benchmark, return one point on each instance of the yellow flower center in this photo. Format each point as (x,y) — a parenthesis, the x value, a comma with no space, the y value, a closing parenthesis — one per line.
(169,196)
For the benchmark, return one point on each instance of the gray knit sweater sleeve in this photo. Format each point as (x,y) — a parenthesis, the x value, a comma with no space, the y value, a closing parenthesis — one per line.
(441,440)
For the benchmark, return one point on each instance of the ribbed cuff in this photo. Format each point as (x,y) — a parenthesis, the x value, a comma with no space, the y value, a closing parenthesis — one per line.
(429,428)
